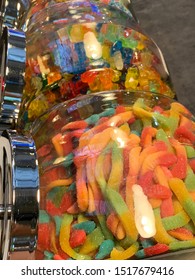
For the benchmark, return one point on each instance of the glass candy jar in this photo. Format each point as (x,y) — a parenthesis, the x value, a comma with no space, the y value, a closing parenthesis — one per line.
(116,177)
(106,167)
(79,47)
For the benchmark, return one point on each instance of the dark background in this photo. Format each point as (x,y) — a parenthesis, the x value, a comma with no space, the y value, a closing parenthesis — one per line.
(171,24)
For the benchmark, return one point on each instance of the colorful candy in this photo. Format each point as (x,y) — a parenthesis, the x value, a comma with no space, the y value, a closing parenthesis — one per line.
(122,188)
(91,53)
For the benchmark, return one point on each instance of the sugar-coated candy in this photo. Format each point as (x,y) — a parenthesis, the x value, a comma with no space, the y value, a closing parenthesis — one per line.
(120,183)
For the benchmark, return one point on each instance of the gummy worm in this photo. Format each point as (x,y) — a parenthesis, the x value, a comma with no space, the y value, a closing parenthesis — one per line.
(178,245)
(150,251)
(126,254)
(176,221)
(90,167)
(59,183)
(161,235)
(92,242)
(116,173)
(182,234)
(81,187)
(64,239)
(126,217)
(182,194)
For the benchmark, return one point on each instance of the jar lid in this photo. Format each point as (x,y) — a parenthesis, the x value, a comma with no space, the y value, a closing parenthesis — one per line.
(19,195)
(12,68)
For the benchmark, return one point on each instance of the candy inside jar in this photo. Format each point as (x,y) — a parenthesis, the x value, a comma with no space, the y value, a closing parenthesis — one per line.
(116,177)
(81,47)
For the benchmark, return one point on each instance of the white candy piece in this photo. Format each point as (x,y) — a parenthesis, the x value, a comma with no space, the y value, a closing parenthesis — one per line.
(118,60)
(144,215)
(93,48)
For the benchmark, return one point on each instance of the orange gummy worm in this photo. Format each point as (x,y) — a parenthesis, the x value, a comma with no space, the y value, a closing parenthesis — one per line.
(81,188)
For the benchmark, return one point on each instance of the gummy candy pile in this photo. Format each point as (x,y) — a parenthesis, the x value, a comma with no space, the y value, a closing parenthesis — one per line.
(117,178)
(91,55)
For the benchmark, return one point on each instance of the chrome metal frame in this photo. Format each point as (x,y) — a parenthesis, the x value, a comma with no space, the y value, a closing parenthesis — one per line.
(19,195)
(12,63)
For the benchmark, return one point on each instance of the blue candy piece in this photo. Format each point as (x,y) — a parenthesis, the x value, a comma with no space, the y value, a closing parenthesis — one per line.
(48,255)
(43,217)
(105,249)
(117,46)
(94,8)
(87,226)
(80,65)
(140,254)
(62,55)
(107,112)
(93,119)
(72,187)
(127,54)
(66,59)
(147,243)
(58,221)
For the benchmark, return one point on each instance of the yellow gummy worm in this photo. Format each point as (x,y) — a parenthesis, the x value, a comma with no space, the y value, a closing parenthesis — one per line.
(64,239)
(59,183)
(141,112)
(99,172)
(126,254)
(177,205)
(116,201)
(161,235)
(92,242)
(99,168)
(116,173)
(125,128)
(184,197)
(125,216)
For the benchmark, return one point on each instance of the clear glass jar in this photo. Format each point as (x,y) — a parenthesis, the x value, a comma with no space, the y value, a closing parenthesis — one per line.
(115,150)
(81,47)
(116,177)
